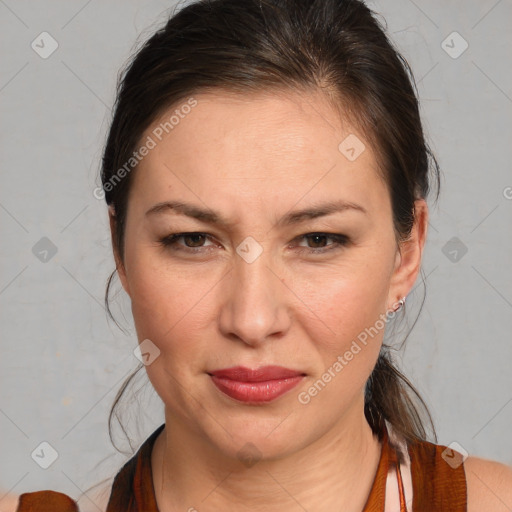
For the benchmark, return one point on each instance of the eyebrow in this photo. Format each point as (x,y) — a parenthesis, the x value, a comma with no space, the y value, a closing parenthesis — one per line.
(294,217)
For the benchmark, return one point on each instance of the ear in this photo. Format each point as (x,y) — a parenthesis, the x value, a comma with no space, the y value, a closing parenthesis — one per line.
(409,256)
(121,271)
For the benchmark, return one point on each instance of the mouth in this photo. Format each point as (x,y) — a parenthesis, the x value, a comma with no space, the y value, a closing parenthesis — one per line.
(260,385)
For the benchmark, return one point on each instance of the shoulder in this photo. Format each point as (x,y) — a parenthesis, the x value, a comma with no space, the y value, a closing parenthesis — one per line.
(489,485)
(8,502)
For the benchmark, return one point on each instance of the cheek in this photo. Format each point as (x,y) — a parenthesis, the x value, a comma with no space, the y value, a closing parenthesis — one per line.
(170,306)
(346,330)
(172,313)
(346,334)
(343,300)
(163,306)
(155,298)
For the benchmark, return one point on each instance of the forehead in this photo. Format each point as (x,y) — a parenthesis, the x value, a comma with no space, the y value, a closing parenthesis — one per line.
(252,148)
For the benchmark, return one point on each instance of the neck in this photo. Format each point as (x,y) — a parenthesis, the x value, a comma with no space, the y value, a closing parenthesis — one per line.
(336,472)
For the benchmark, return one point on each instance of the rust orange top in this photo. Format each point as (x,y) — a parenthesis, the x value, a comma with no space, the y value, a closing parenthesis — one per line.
(436,485)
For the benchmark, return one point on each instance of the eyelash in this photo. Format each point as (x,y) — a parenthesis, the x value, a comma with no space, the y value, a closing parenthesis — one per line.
(170,241)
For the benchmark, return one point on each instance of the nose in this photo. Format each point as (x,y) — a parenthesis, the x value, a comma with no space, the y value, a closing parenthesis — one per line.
(255,305)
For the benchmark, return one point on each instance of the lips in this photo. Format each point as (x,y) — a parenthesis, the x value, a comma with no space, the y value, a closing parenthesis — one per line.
(265,373)
(262,384)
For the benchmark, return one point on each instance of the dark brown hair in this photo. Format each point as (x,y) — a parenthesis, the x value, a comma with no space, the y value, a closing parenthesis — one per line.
(338,47)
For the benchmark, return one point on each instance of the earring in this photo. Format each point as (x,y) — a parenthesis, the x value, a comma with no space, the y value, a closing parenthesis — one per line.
(400,304)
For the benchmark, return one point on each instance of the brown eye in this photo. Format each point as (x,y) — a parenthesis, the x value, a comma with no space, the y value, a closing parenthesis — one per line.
(318,242)
(195,239)
(191,242)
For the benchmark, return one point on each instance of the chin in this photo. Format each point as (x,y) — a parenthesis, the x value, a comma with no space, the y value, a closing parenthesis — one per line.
(251,440)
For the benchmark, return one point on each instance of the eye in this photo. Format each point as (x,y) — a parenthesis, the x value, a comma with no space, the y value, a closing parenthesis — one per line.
(193,241)
(319,241)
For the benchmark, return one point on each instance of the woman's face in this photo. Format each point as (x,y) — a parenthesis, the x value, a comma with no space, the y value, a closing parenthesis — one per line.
(254,290)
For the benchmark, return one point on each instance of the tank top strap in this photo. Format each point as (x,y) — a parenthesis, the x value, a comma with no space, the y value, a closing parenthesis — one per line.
(383,478)
(399,490)
(423,469)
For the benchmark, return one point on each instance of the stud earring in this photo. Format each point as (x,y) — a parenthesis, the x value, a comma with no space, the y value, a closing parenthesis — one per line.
(400,304)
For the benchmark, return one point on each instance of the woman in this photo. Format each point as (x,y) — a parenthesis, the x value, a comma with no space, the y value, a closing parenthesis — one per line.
(266,174)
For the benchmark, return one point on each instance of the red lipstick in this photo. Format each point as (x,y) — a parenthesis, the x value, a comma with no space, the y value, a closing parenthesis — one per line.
(252,386)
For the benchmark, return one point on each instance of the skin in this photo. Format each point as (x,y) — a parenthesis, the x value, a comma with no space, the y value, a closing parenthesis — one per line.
(254,159)
(237,155)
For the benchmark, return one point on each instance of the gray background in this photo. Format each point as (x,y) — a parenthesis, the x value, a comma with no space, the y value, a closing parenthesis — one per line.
(62,362)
